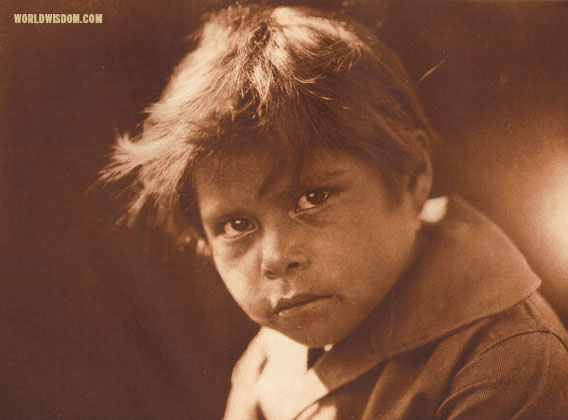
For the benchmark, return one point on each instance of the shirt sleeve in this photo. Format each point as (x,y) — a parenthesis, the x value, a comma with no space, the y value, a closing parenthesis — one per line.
(524,377)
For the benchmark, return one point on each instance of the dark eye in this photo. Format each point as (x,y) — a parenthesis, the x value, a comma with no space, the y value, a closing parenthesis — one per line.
(235,227)
(312,199)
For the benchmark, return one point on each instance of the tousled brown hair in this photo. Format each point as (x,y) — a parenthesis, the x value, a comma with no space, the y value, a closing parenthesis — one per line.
(287,79)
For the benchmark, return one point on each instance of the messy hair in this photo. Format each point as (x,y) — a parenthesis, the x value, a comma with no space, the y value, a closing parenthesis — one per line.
(285,79)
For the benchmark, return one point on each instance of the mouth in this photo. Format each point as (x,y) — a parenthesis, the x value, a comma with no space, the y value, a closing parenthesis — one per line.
(286,305)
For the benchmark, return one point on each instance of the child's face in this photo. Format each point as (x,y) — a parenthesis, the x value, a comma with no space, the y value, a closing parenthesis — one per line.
(309,256)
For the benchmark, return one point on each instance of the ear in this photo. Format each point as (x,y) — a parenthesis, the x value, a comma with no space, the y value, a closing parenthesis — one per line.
(203,248)
(422,185)
(193,238)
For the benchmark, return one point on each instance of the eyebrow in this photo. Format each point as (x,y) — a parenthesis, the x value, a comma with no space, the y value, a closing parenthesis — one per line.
(308,178)
(317,177)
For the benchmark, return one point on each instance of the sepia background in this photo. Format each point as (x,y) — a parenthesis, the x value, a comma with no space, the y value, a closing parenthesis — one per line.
(97,321)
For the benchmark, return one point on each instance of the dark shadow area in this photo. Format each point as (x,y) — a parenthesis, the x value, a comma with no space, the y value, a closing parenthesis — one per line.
(96,322)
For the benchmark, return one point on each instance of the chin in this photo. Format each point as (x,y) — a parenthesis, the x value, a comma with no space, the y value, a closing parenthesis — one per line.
(319,338)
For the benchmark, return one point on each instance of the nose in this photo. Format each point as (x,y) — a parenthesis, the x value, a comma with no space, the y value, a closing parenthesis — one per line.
(282,254)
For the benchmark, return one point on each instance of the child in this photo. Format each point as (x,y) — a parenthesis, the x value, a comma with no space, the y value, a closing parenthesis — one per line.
(290,144)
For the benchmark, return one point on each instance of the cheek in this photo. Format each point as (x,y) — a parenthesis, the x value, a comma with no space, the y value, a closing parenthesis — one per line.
(374,249)
(235,276)
(232,260)
(240,277)
(392,249)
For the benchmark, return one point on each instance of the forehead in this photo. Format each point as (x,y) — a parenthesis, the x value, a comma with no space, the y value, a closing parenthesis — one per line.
(260,173)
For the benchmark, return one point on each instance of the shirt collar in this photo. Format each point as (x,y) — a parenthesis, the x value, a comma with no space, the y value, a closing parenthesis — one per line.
(469,270)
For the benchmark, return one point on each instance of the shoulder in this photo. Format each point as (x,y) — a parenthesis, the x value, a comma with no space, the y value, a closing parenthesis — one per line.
(532,317)
(516,367)
(267,344)
(252,362)
(241,404)
(267,348)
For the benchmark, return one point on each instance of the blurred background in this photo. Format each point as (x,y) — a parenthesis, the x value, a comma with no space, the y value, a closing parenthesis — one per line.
(95,322)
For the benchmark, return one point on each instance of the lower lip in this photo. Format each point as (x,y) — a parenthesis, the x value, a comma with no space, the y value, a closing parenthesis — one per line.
(313,306)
